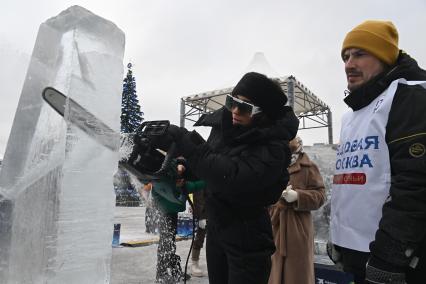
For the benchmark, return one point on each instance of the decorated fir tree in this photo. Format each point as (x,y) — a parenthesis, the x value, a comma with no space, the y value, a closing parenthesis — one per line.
(131,118)
(131,115)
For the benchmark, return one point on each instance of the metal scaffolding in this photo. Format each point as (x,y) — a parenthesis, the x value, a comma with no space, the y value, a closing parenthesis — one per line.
(311,111)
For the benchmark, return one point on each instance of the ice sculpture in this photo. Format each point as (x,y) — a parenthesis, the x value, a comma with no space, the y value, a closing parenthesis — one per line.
(56,188)
(325,157)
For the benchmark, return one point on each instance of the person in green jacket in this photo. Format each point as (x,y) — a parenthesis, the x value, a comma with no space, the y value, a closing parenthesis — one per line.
(170,194)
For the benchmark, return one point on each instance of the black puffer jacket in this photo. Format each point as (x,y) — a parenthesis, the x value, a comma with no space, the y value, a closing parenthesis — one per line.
(402,228)
(245,169)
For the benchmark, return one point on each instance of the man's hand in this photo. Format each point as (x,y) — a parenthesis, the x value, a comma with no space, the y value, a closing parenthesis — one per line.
(180,170)
(290,195)
(378,272)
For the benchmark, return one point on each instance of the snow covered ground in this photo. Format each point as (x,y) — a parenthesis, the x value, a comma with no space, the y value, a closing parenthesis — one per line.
(136,265)
(131,265)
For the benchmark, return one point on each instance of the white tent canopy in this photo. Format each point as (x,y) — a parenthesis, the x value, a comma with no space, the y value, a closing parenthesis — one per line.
(312,111)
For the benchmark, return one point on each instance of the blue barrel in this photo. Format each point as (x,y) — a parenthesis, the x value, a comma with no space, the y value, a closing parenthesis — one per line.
(116,235)
(184,226)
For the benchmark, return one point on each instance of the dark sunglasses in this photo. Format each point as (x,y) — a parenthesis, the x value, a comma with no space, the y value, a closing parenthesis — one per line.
(244,107)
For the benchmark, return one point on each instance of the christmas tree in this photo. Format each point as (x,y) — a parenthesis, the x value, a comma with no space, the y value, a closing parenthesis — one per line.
(131,115)
(131,118)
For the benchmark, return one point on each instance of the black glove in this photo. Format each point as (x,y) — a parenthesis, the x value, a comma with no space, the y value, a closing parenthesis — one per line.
(176,132)
(381,272)
(164,141)
(188,142)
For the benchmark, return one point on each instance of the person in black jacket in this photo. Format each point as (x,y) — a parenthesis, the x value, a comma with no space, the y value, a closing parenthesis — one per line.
(378,206)
(244,164)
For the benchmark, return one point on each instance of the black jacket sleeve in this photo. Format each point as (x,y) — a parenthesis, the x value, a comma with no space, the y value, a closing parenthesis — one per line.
(402,228)
(252,170)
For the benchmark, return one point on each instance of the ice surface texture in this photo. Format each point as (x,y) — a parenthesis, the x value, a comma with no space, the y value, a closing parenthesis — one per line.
(56,190)
(325,158)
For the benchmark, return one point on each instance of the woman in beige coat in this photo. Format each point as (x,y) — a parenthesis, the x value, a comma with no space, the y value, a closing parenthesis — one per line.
(292,226)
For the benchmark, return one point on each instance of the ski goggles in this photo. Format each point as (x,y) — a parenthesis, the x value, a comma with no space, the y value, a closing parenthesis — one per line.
(244,107)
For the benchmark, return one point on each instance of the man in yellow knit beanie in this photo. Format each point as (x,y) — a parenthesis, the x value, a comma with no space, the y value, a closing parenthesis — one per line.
(378,202)
(380,38)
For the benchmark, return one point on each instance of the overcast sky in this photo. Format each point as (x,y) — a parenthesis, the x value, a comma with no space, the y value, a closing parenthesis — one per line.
(182,47)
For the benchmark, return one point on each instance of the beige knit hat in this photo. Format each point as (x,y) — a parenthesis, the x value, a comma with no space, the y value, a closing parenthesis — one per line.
(380,38)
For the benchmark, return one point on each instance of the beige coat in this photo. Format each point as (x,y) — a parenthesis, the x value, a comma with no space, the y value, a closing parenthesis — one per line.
(292,226)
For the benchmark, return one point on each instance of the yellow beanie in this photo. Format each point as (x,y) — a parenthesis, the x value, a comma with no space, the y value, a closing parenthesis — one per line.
(380,38)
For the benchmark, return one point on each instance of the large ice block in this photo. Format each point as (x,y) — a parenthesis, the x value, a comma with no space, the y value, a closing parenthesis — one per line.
(325,158)
(56,189)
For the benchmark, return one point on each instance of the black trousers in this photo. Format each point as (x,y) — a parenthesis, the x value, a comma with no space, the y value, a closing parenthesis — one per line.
(240,252)
(354,262)
(199,238)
